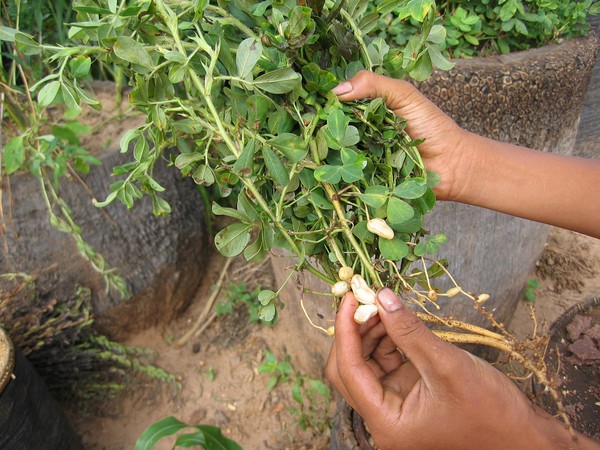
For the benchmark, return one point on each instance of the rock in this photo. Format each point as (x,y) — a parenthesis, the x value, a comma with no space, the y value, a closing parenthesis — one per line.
(585,350)
(579,324)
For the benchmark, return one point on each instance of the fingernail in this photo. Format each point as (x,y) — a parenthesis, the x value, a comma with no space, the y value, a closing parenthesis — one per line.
(343,88)
(389,300)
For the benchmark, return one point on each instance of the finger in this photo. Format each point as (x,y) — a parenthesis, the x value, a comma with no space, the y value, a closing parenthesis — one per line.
(401,96)
(365,328)
(402,379)
(357,376)
(429,354)
(387,355)
(372,337)
(333,375)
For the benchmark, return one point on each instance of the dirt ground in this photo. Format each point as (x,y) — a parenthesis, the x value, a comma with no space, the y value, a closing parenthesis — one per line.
(218,372)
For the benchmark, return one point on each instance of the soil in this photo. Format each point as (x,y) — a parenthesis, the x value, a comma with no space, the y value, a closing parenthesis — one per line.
(218,378)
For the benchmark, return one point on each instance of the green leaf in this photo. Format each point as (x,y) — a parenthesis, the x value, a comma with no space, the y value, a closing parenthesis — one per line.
(215,439)
(399,211)
(160,207)
(437,34)
(48,93)
(267,312)
(127,138)
(437,59)
(245,163)
(71,99)
(411,188)
(351,137)
(256,251)
(418,9)
(219,210)
(132,51)
(292,146)
(13,155)
(232,240)
(191,440)
(361,232)
(155,432)
(204,175)
(266,296)
(430,245)
(275,167)
(375,196)
(80,66)
(412,225)
(329,174)
(319,199)
(394,249)
(27,45)
(247,207)
(248,53)
(337,122)
(185,159)
(279,81)
(7,34)
(423,68)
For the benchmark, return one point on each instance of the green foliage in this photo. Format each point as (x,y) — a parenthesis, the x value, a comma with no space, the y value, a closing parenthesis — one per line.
(530,288)
(259,304)
(486,27)
(243,90)
(312,396)
(207,437)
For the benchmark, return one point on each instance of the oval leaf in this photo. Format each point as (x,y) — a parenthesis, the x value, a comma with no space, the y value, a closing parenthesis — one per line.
(232,240)
(394,249)
(248,54)
(132,51)
(279,81)
(412,188)
(292,146)
(399,211)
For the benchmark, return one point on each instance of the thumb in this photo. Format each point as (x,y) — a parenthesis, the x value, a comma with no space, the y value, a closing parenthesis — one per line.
(424,349)
(398,94)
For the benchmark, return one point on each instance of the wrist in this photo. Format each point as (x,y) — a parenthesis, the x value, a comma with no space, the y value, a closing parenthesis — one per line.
(552,434)
(469,171)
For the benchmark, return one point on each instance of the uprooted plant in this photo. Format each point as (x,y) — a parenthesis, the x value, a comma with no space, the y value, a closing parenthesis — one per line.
(242,89)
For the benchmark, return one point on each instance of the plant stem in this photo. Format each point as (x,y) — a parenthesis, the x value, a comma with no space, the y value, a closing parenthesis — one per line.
(348,232)
(358,35)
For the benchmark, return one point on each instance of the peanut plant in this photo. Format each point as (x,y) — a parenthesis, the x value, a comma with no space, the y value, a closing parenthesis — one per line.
(242,90)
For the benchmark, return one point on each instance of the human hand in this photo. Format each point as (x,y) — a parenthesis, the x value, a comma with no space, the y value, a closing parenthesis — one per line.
(442,151)
(440,397)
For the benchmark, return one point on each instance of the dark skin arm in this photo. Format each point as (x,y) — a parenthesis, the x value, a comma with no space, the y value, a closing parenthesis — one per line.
(515,180)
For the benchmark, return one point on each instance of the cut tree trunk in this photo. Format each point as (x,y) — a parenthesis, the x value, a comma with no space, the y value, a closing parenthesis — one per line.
(161,259)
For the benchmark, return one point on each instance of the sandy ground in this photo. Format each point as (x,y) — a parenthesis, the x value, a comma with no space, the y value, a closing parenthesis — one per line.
(218,371)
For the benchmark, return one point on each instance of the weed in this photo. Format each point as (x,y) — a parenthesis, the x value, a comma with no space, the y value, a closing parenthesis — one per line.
(312,396)
(237,294)
(530,288)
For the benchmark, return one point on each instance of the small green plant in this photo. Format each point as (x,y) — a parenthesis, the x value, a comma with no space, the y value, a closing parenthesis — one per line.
(237,294)
(312,396)
(530,288)
(281,371)
(207,437)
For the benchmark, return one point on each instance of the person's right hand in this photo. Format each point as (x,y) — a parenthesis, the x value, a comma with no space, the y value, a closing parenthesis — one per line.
(433,395)
(442,150)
